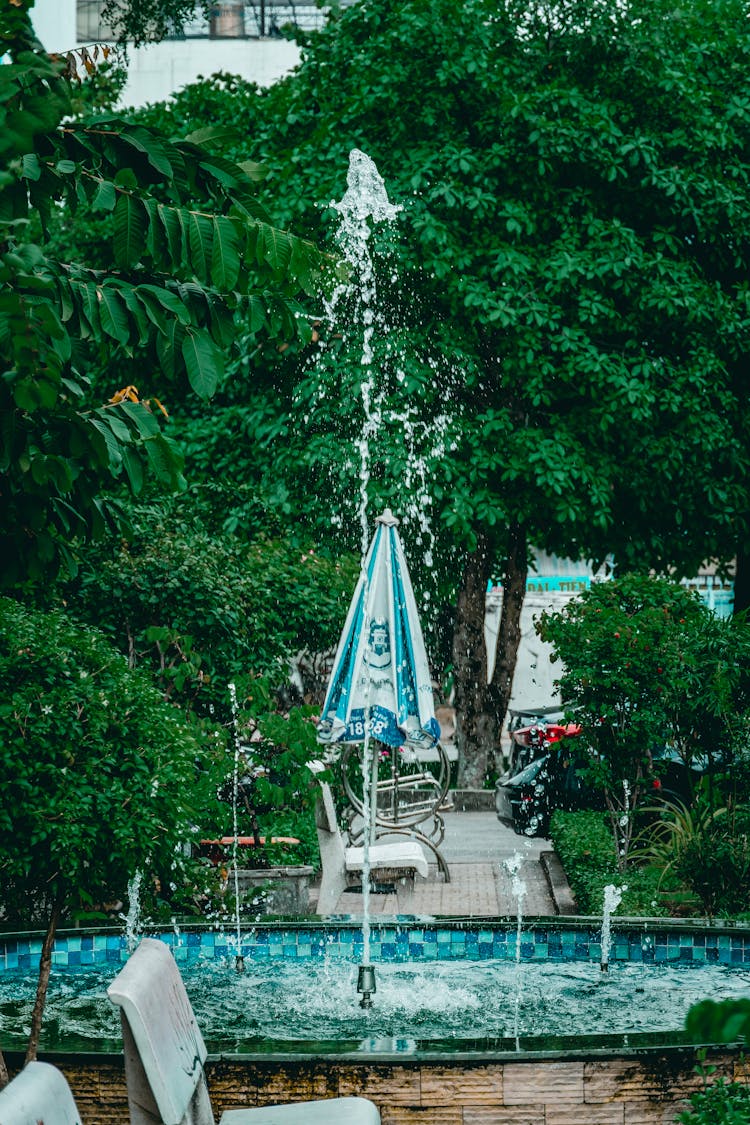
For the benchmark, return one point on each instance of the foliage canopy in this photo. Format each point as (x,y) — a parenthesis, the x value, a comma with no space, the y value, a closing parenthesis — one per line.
(647,667)
(191,250)
(100,776)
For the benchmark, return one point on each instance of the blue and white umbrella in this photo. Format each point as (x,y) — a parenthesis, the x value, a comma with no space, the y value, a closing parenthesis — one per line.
(380,685)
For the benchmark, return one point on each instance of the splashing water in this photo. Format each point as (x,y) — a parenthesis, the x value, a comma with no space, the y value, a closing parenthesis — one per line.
(239,963)
(310,1003)
(365,201)
(612,898)
(132,918)
(422,435)
(518,888)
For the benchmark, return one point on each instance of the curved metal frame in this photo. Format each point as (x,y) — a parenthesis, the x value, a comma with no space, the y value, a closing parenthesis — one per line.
(400,817)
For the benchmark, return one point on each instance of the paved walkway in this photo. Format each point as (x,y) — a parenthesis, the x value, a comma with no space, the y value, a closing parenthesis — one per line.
(476,848)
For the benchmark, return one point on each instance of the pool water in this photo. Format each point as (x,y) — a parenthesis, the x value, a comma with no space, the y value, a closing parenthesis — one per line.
(293,1004)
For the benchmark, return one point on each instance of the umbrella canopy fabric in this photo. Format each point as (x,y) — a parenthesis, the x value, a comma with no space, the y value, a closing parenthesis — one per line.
(380,684)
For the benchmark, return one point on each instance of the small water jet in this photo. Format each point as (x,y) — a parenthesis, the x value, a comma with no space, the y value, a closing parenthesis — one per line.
(612,899)
(518,887)
(239,963)
(132,918)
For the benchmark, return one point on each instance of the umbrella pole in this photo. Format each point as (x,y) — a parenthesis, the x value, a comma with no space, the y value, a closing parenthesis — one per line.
(374,789)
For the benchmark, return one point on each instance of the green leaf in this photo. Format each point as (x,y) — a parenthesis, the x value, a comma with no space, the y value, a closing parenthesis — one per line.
(114,449)
(174,230)
(154,149)
(256,314)
(225,257)
(273,246)
(134,469)
(200,232)
(203,361)
(218,134)
(114,317)
(129,230)
(31,167)
(145,423)
(168,300)
(105,197)
(165,461)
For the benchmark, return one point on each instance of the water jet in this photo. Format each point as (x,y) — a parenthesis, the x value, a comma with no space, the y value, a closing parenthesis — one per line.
(292,1020)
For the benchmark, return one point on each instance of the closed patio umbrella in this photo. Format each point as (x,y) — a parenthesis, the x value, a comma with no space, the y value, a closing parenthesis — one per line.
(380,684)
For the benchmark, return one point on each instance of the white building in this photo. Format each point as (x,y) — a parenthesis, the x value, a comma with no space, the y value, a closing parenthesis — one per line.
(240,37)
(550,586)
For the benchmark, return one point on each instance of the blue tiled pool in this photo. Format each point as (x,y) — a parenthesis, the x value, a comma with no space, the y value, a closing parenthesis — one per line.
(448,941)
(437,983)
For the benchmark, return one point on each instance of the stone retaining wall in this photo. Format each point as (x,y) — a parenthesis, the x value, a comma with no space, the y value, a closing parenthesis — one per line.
(645,1088)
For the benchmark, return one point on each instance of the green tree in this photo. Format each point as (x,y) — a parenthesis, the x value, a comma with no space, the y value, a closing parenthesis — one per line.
(200,607)
(100,777)
(191,252)
(574,184)
(645,666)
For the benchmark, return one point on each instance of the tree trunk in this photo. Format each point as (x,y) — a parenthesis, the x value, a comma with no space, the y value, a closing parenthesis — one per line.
(480,706)
(742,580)
(4,1078)
(475,729)
(509,631)
(45,964)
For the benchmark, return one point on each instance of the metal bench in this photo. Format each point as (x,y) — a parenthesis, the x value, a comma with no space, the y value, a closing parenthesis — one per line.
(343,866)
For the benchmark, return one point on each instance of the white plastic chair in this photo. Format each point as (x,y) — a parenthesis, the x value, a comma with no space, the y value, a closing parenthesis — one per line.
(165,1053)
(400,860)
(38,1094)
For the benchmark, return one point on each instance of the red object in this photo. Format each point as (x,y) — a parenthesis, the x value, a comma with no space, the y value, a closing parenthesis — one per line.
(249,841)
(218,851)
(553,732)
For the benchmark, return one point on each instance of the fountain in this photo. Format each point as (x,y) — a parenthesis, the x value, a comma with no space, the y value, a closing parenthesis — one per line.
(518,888)
(612,899)
(364,201)
(441,1042)
(444,1037)
(239,963)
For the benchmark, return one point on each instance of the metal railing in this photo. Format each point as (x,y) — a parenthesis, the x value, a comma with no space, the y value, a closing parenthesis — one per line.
(228,19)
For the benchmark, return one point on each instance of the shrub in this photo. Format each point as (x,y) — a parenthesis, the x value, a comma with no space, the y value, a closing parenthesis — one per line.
(100,777)
(719,1103)
(708,850)
(587,852)
(201,609)
(715,863)
(98,774)
(646,666)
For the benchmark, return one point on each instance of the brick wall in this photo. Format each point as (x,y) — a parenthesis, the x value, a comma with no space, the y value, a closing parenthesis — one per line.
(646,1088)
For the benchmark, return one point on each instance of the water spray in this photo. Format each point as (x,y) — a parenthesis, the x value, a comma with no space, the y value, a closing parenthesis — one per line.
(239,963)
(612,898)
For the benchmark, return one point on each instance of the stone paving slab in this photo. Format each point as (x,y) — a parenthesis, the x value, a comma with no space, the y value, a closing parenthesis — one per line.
(477,849)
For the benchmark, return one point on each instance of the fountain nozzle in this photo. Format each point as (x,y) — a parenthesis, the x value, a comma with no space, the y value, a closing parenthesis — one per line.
(604,966)
(239,964)
(366,984)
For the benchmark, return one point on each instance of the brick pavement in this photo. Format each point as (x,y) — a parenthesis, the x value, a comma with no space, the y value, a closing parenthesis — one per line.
(476,848)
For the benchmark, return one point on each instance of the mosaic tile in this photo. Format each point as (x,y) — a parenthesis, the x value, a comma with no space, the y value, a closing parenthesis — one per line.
(395,943)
